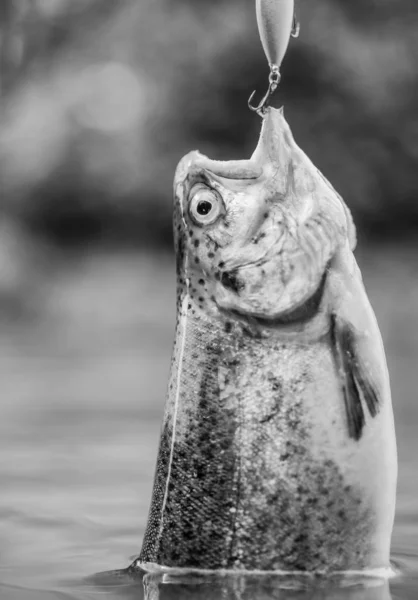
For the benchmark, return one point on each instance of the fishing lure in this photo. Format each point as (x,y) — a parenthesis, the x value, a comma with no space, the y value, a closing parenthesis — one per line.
(277,450)
(276,21)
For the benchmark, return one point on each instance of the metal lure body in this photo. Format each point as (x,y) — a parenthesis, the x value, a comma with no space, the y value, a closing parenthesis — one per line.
(275,23)
(277,449)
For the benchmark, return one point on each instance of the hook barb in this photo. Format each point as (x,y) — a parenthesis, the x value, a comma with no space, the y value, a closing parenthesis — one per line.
(260,109)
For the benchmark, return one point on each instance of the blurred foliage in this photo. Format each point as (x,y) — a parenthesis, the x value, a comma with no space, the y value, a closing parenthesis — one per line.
(102,98)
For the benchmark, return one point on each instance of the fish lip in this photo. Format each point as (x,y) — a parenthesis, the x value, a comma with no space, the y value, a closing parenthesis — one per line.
(303,313)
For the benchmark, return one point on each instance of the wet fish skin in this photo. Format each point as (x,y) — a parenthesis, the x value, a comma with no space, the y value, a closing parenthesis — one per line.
(261,465)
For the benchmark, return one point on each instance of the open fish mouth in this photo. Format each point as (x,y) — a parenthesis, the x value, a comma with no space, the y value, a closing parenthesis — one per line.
(299,314)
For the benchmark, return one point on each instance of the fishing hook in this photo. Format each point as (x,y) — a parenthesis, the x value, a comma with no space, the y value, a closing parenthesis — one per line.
(277,22)
(274,80)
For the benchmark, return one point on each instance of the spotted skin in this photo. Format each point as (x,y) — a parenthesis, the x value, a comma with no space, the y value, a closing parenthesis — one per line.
(246,491)
(257,469)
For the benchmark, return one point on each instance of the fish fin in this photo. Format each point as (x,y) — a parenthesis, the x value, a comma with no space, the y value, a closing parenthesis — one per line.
(366,386)
(355,382)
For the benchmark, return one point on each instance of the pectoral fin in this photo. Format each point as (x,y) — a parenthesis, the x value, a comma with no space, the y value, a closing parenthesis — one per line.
(357,384)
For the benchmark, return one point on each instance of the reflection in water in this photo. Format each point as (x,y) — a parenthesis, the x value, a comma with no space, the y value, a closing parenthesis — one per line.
(264,587)
(128,584)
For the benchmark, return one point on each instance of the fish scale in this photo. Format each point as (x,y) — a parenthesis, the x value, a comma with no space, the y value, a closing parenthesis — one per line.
(245,491)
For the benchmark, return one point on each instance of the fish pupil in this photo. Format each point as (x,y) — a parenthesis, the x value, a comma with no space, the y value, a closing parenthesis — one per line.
(204,207)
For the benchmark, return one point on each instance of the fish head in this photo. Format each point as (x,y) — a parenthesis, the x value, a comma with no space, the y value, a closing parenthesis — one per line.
(256,237)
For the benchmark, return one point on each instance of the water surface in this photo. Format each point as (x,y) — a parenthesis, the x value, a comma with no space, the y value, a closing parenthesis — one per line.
(83,384)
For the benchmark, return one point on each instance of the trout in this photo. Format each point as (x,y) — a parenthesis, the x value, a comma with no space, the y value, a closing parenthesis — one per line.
(277,450)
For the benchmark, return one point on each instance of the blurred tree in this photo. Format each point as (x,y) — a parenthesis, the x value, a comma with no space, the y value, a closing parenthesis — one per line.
(11,41)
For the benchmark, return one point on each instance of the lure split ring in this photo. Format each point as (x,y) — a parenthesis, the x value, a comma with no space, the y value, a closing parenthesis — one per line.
(277,22)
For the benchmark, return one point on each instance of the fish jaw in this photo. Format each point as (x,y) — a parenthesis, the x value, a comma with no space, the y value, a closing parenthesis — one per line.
(276,285)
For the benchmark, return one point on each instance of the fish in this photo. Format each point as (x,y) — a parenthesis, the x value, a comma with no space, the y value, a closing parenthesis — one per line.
(278,448)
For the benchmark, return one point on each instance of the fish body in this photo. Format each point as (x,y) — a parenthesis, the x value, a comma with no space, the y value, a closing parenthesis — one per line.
(277,448)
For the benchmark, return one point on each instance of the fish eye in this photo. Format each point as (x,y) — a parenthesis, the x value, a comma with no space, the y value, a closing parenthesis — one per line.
(205,205)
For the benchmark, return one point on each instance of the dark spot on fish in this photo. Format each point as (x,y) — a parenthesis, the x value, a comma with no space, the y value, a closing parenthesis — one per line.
(197,261)
(232,362)
(217,275)
(201,281)
(221,264)
(266,214)
(210,255)
(190,233)
(196,243)
(230,281)
(180,255)
(175,555)
(201,299)
(228,326)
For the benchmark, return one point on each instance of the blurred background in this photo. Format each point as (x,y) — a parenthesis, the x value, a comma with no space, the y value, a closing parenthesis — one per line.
(99,101)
